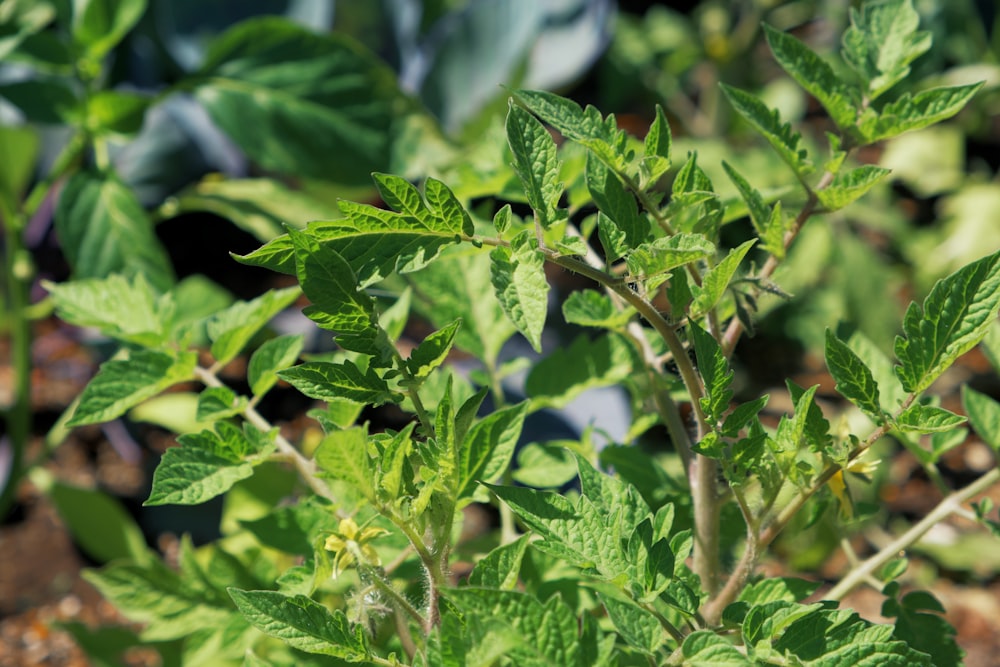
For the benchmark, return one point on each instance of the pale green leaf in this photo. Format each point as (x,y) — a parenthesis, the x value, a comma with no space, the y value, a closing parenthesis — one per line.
(103,229)
(614,201)
(193,473)
(657,146)
(591,308)
(814,75)
(500,568)
(487,448)
(231,329)
(882,41)
(955,316)
(274,355)
(612,238)
(121,308)
(432,351)
(300,102)
(121,384)
(854,379)
(984,415)
(704,648)
(780,135)
(849,186)
(915,112)
(535,162)
(518,277)
(920,418)
(98,25)
(303,624)
(501,219)
(216,403)
(327,381)
(344,455)
(663,254)
(568,371)
(715,282)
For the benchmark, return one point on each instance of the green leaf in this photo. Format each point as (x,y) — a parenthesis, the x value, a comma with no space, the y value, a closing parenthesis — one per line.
(840,637)
(518,277)
(117,113)
(301,102)
(21,145)
(663,254)
(274,355)
(216,403)
(591,308)
(716,281)
(567,372)
(121,384)
(488,446)
(849,186)
(432,351)
(704,648)
(231,329)
(442,299)
(20,20)
(778,588)
(302,623)
(638,627)
(197,471)
(814,75)
(171,605)
(854,379)
(882,41)
(328,381)
(612,238)
(344,455)
(45,101)
(916,112)
(121,308)
(923,631)
(499,569)
(715,372)
(98,25)
(337,303)
(617,203)
(984,416)
(656,160)
(501,219)
(103,229)
(767,221)
(955,316)
(536,163)
(780,135)
(920,418)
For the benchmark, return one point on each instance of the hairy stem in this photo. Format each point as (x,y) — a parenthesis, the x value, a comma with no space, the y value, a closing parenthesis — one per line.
(950,505)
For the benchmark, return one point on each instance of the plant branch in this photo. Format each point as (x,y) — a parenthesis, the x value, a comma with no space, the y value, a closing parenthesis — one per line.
(950,505)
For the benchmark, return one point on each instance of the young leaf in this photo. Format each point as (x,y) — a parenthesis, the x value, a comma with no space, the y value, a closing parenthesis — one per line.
(121,384)
(344,455)
(303,623)
(591,308)
(882,41)
(916,112)
(121,308)
(487,448)
(499,568)
(714,370)
(328,381)
(814,74)
(928,419)
(274,355)
(103,229)
(567,372)
(518,277)
(98,25)
(716,281)
(195,472)
(955,316)
(535,162)
(778,134)
(615,201)
(501,219)
(849,186)
(638,627)
(612,238)
(231,329)
(215,403)
(663,254)
(432,352)
(769,228)
(984,415)
(854,380)
(704,648)
(657,144)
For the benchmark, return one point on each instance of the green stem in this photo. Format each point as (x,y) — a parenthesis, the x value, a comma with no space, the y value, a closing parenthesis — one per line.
(398,598)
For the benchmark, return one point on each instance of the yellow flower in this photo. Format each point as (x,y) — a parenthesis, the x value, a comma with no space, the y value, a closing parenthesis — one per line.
(350,544)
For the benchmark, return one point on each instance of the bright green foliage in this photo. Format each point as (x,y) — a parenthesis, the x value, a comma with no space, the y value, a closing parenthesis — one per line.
(345,537)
